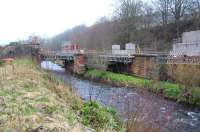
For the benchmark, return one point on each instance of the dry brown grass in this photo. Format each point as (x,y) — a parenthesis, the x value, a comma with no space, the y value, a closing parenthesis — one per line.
(32,100)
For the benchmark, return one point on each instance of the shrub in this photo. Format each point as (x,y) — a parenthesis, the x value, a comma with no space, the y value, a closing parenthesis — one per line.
(163,73)
(99,117)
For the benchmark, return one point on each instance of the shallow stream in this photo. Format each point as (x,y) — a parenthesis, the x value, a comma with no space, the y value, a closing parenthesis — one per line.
(151,109)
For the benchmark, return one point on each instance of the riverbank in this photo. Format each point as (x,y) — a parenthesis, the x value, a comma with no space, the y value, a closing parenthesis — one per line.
(32,99)
(190,96)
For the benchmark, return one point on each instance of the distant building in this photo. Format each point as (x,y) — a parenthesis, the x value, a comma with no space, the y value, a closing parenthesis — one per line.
(67,46)
(19,50)
(188,45)
(191,37)
(129,49)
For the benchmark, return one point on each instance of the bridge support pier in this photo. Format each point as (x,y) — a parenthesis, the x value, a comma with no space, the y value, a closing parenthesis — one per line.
(75,65)
(68,65)
(119,67)
(79,64)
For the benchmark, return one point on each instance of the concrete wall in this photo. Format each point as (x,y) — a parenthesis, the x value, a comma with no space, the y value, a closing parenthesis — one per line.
(186,49)
(190,37)
(145,66)
(190,45)
(79,64)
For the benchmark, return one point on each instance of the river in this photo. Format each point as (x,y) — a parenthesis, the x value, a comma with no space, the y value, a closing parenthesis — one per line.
(152,110)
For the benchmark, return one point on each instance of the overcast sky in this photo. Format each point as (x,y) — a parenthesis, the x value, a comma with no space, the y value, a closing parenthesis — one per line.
(20,18)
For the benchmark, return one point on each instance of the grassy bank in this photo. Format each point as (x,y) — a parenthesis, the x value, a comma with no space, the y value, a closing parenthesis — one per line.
(168,90)
(32,100)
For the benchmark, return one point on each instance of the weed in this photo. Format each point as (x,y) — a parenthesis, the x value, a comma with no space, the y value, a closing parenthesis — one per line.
(27,109)
(42,99)
(49,109)
(76,104)
(28,87)
(99,117)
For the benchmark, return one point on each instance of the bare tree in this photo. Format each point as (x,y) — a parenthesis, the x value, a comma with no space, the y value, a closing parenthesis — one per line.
(163,7)
(198,6)
(148,16)
(178,9)
(134,21)
(128,13)
(198,13)
(195,8)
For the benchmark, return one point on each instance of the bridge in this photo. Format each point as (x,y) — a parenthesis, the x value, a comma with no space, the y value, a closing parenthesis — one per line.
(144,63)
(78,60)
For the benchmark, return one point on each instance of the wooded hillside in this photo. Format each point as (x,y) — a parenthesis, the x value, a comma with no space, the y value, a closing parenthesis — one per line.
(152,25)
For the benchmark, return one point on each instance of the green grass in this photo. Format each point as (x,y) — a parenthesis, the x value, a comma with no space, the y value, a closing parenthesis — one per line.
(117,78)
(196,96)
(28,87)
(166,89)
(4,93)
(42,99)
(23,62)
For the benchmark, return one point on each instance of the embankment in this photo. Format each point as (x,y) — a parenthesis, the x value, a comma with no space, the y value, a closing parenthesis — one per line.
(180,93)
(33,100)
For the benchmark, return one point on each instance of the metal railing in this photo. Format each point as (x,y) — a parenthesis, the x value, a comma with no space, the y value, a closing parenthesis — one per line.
(116,53)
(108,54)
